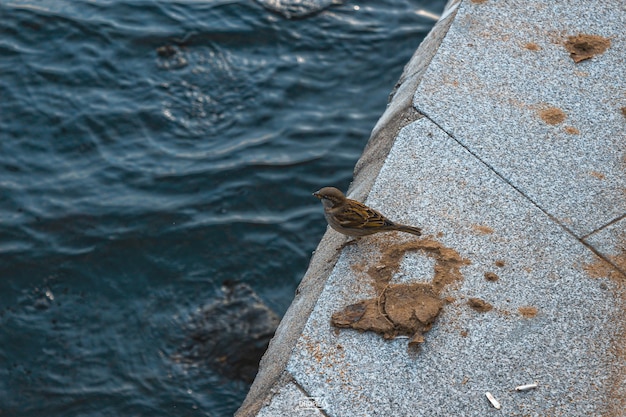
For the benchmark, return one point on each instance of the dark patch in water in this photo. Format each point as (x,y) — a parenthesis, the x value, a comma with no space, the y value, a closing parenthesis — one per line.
(141,143)
(230,334)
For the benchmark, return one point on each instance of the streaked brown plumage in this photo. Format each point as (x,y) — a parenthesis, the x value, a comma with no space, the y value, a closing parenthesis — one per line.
(356,219)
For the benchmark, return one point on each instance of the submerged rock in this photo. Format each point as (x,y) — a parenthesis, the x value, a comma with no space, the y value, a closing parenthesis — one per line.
(230,334)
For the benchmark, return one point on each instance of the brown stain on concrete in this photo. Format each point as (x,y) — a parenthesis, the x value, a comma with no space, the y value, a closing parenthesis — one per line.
(602,269)
(482,229)
(597,175)
(479,305)
(552,115)
(491,276)
(528,311)
(404,309)
(583,46)
(532,46)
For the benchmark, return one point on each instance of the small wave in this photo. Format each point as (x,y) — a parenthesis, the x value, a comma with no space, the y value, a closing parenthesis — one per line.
(293,9)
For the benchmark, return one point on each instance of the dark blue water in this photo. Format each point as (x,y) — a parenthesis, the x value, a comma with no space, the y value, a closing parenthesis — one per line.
(150,151)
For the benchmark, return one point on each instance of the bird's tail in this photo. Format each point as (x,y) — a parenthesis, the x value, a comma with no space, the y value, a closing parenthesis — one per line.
(410,229)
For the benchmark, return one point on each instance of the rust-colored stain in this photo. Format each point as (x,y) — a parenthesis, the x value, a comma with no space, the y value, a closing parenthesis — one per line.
(602,269)
(597,175)
(583,46)
(552,115)
(532,46)
(403,309)
(482,229)
(479,305)
(490,276)
(571,130)
(528,311)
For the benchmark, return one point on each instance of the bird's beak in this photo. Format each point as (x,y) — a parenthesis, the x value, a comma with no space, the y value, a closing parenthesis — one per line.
(317,194)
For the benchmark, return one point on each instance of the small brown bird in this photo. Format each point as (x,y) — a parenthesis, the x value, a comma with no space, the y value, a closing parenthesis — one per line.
(356,219)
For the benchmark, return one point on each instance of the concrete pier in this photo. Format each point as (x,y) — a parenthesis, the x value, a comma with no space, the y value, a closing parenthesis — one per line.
(505,140)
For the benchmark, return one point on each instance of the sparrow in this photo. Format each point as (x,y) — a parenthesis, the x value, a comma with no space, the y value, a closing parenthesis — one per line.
(356,219)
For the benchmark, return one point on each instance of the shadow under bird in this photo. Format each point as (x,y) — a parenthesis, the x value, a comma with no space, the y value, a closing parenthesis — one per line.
(353,218)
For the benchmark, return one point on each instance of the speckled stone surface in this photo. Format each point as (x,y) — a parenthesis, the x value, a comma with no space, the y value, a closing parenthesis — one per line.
(566,347)
(503,63)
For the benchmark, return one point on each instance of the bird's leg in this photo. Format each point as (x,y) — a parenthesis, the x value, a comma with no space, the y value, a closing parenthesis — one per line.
(381,308)
(349,242)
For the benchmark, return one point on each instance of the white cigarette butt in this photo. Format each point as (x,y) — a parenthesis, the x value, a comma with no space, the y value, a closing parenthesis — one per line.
(493,401)
(526,387)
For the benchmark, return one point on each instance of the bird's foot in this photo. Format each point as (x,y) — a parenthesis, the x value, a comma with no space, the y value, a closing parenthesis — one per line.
(348,242)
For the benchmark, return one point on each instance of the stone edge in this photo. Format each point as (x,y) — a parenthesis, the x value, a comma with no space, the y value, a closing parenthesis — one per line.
(400,112)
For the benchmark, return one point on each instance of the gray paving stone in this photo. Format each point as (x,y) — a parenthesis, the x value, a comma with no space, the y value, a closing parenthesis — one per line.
(567,347)
(501,64)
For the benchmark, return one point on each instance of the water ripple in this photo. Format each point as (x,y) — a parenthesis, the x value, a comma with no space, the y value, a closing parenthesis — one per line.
(150,151)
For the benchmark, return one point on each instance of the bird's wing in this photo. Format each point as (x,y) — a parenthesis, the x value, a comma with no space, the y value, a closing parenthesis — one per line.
(358,216)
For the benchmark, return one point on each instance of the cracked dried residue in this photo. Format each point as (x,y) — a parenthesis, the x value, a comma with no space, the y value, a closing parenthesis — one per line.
(581,47)
(403,309)
(552,115)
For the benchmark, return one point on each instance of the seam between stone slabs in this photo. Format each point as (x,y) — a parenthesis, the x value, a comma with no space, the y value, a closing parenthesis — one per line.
(550,216)
(594,250)
(584,242)
(604,226)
